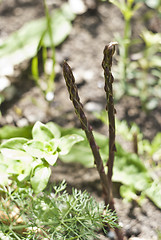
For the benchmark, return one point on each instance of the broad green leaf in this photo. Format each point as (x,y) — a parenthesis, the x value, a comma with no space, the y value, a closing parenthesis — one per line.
(128,192)
(54,128)
(23,44)
(129,170)
(34,148)
(154,193)
(14,143)
(156,143)
(67,142)
(40,178)
(41,132)
(18,162)
(8,132)
(15,154)
(42,150)
(81,151)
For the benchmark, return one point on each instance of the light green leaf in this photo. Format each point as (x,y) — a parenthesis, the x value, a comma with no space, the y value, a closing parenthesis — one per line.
(67,142)
(18,162)
(51,158)
(129,170)
(41,132)
(15,154)
(52,145)
(23,44)
(152,3)
(128,192)
(154,193)
(42,150)
(40,178)
(14,143)
(7,132)
(3,174)
(54,128)
(81,151)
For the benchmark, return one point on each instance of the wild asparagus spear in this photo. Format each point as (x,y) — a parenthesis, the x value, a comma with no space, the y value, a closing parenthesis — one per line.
(74,97)
(107,64)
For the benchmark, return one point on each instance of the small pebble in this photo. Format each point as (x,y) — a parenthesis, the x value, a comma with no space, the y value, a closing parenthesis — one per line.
(93,107)
(22,122)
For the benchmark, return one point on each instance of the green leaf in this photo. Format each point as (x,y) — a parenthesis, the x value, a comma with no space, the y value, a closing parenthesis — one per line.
(7,132)
(18,162)
(42,150)
(40,178)
(3,174)
(41,132)
(129,170)
(14,143)
(23,44)
(54,128)
(81,151)
(154,193)
(15,154)
(152,3)
(67,142)
(128,192)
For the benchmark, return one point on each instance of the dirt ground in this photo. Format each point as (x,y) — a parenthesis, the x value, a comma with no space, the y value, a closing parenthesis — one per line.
(84,51)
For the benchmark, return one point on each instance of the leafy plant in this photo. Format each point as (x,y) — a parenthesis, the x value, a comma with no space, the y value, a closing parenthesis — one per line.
(147,68)
(128,9)
(144,69)
(25,43)
(28,161)
(51,215)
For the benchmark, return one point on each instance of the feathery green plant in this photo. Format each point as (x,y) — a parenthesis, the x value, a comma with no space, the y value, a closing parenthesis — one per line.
(52,215)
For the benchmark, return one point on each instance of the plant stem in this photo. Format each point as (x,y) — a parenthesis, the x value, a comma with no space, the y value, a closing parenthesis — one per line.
(107,64)
(106,180)
(74,97)
(49,28)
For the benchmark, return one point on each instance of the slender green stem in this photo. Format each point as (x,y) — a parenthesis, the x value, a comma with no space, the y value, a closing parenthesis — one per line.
(49,27)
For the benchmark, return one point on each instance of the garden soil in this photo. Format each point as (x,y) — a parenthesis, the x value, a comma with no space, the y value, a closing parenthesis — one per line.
(83,50)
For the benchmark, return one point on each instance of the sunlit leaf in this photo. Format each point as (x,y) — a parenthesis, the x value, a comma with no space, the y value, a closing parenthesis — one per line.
(54,128)
(23,44)
(41,132)
(40,178)
(66,143)
(42,150)
(14,143)
(154,193)
(7,132)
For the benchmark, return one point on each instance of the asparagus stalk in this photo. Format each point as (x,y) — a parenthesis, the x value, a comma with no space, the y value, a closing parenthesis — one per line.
(74,97)
(107,64)
(106,180)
